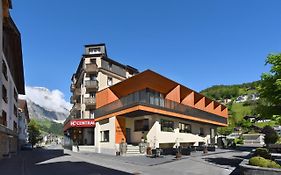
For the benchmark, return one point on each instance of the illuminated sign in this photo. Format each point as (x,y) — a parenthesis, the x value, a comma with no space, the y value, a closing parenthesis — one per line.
(82,123)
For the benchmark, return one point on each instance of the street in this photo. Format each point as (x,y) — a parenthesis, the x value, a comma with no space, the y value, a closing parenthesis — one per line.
(53,160)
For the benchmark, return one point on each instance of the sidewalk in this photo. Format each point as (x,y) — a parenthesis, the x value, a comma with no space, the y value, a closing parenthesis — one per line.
(194,164)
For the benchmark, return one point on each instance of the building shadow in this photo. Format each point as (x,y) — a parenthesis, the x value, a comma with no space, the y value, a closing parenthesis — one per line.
(74,168)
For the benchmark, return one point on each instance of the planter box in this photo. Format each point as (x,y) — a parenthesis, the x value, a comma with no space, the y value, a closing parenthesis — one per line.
(246,169)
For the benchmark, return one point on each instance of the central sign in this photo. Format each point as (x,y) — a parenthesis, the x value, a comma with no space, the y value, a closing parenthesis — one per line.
(83,123)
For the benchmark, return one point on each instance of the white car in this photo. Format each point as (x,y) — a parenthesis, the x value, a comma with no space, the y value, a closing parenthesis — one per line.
(233,136)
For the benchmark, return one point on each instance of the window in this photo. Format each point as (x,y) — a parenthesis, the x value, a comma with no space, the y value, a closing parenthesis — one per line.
(92,114)
(167,126)
(15,126)
(4,94)
(94,50)
(15,111)
(3,119)
(4,69)
(109,81)
(110,66)
(141,125)
(93,60)
(92,94)
(105,136)
(15,95)
(184,128)
(93,77)
(201,132)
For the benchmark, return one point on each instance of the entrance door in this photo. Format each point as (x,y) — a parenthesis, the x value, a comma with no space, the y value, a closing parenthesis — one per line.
(128,135)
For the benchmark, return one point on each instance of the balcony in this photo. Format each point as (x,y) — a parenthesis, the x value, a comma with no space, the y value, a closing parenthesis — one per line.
(77,107)
(91,85)
(77,92)
(91,68)
(72,100)
(153,99)
(72,87)
(90,101)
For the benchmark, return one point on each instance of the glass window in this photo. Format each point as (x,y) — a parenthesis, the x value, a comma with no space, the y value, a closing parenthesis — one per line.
(4,94)
(105,136)
(4,69)
(141,125)
(109,81)
(201,132)
(110,66)
(167,126)
(184,128)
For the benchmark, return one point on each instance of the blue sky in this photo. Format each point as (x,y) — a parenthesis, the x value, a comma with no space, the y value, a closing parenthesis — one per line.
(197,43)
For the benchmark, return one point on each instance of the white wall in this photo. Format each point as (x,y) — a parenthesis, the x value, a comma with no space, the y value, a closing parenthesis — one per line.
(106,147)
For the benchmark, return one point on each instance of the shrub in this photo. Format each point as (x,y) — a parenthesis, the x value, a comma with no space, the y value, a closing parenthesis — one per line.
(271,135)
(262,162)
(262,152)
(239,140)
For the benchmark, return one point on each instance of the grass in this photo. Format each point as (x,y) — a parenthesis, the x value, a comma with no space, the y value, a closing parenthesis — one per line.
(241,111)
(263,124)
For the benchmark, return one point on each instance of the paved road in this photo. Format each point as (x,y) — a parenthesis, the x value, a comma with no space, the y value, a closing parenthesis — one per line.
(56,161)
(51,161)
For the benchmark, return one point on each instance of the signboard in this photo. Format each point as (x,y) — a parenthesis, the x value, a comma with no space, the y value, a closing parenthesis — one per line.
(82,123)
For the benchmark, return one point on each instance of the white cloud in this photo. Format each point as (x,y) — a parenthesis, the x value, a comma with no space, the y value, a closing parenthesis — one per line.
(51,100)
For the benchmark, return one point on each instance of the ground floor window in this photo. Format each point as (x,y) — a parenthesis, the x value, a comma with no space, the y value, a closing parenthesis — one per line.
(167,125)
(184,128)
(141,125)
(201,133)
(105,136)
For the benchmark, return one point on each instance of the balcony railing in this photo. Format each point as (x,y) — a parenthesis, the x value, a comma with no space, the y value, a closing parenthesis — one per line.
(72,87)
(91,68)
(77,106)
(91,84)
(153,99)
(72,100)
(77,92)
(90,101)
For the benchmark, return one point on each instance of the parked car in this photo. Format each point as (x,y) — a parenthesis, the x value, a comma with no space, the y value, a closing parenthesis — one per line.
(233,136)
(27,146)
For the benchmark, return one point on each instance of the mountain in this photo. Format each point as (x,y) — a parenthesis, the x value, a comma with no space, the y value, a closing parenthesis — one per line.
(46,104)
(241,99)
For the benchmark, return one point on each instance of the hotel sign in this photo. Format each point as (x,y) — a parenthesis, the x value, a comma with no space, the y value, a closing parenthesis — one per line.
(83,123)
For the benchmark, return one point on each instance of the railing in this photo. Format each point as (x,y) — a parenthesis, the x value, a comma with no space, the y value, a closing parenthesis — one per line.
(72,87)
(91,84)
(90,68)
(90,100)
(153,99)
(77,106)
(77,92)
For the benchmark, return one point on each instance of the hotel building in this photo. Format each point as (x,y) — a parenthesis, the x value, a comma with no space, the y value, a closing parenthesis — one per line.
(152,107)
(11,80)
(96,71)
(146,106)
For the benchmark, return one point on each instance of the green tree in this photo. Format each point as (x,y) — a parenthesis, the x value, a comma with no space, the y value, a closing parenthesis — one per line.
(225,130)
(271,135)
(33,132)
(270,88)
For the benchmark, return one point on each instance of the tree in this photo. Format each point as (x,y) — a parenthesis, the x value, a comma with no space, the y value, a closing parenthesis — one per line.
(270,88)
(271,135)
(225,130)
(33,132)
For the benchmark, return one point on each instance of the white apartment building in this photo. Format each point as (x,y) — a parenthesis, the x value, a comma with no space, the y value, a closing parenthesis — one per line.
(96,71)
(11,80)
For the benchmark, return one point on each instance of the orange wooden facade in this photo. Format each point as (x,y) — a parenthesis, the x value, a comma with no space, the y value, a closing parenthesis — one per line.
(171,90)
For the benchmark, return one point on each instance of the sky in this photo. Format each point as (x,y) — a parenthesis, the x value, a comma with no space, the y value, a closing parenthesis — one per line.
(198,43)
